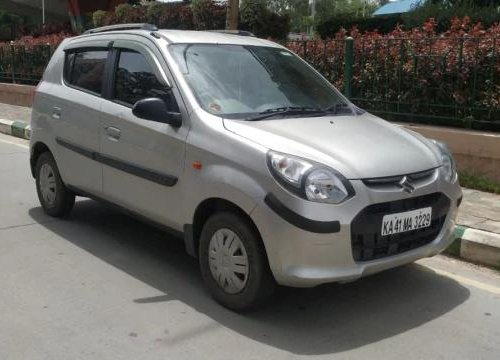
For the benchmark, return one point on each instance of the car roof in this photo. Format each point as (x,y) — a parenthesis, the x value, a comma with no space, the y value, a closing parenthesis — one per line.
(235,37)
(212,37)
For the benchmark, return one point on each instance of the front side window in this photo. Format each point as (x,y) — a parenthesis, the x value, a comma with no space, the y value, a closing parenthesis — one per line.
(236,81)
(135,80)
(85,69)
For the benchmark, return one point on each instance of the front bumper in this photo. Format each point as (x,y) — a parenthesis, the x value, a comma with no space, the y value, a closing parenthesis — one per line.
(303,258)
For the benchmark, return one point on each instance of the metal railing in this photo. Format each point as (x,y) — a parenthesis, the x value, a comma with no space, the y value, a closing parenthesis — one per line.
(435,80)
(21,64)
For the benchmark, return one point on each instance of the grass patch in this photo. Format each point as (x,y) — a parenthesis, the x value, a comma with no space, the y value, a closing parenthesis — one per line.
(478,182)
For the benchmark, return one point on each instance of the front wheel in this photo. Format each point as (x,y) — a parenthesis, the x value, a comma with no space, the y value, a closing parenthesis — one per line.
(233,262)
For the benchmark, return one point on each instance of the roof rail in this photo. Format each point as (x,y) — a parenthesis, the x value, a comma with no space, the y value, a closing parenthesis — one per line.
(234,32)
(117,27)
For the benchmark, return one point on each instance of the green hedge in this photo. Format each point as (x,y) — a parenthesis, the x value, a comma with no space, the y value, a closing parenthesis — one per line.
(329,27)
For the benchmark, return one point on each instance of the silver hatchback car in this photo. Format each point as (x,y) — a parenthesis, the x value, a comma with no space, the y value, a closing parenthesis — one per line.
(269,174)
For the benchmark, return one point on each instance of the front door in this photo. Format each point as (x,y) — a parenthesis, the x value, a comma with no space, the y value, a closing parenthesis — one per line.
(142,160)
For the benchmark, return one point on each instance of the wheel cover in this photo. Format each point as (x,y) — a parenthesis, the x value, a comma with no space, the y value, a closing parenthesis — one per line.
(228,261)
(47,181)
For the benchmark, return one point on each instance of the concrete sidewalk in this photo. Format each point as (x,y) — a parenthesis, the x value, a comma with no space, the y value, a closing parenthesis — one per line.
(15,113)
(480,210)
(478,230)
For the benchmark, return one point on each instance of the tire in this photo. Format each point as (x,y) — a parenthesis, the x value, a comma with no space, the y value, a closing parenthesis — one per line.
(60,200)
(253,288)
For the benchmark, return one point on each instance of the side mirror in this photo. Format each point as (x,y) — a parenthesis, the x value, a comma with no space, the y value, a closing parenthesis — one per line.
(155,109)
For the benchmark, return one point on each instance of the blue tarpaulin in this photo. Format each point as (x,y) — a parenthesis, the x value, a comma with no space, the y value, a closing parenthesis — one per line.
(397,7)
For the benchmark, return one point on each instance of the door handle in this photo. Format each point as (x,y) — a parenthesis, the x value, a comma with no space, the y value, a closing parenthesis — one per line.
(113,133)
(56,112)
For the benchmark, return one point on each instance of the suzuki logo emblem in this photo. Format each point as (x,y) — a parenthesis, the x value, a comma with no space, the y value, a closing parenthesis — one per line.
(405,184)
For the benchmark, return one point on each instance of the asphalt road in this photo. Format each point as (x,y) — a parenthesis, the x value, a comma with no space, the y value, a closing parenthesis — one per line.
(100,285)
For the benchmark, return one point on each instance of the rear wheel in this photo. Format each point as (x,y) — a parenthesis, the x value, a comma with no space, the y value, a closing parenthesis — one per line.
(56,199)
(234,263)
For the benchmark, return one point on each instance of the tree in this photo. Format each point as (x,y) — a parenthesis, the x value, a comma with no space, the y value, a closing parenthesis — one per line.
(327,9)
(258,18)
(252,11)
(299,11)
(468,3)
(296,10)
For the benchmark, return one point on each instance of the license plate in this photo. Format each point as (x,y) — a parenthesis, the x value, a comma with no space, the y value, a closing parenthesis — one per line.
(406,221)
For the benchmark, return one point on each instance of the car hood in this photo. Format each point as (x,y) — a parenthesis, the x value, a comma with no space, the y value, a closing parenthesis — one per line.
(359,146)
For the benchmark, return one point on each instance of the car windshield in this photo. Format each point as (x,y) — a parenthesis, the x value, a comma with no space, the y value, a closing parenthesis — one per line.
(255,82)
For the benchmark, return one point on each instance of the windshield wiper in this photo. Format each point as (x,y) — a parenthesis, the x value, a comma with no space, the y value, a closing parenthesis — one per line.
(335,109)
(287,110)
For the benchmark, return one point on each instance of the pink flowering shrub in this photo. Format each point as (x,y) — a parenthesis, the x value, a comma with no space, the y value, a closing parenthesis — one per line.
(418,75)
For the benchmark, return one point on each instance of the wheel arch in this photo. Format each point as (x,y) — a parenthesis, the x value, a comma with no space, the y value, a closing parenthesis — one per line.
(204,210)
(37,149)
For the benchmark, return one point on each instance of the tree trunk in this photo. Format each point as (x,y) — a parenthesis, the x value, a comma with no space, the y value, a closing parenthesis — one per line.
(232,15)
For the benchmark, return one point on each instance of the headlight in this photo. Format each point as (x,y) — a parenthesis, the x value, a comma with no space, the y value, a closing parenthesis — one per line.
(309,180)
(449,168)
(289,168)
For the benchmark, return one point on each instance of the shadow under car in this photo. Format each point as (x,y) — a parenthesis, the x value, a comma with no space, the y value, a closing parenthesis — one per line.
(322,320)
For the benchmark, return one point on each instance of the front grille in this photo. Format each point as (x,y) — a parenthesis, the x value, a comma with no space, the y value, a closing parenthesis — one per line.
(417,179)
(367,241)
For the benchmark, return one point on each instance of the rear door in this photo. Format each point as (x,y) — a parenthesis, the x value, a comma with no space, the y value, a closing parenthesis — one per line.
(142,159)
(75,114)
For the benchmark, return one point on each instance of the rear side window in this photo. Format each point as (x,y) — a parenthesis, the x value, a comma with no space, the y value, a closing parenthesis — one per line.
(136,80)
(68,65)
(85,69)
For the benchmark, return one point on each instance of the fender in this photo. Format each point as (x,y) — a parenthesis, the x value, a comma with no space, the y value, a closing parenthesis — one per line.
(219,182)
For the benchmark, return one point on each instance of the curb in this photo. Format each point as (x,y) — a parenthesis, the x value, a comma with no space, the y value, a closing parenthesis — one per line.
(18,129)
(477,246)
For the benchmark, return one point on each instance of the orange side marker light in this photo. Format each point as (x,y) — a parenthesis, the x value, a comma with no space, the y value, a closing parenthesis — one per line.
(197,165)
